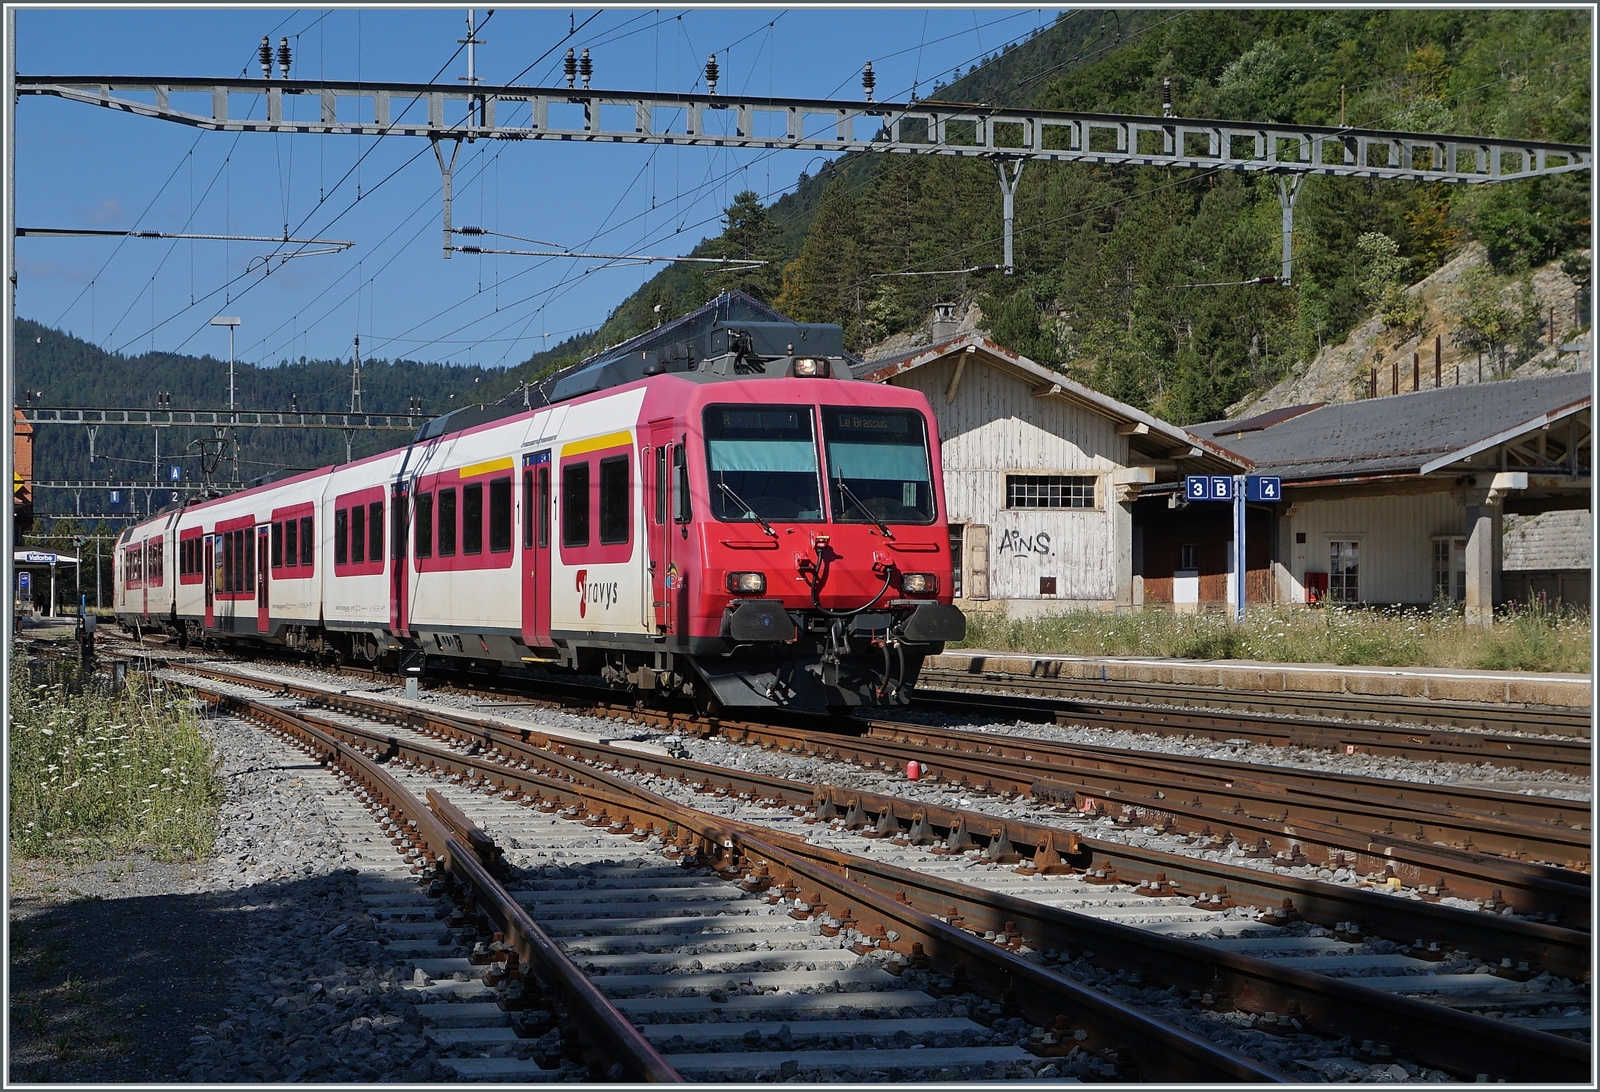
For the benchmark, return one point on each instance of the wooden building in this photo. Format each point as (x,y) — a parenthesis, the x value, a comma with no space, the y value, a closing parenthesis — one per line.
(1041,475)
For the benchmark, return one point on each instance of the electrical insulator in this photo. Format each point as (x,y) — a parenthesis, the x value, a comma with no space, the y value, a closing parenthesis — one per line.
(294,402)
(283,57)
(868,81)
(585,67)
(266,57)
(712,72)
(570,66)
(1166,96)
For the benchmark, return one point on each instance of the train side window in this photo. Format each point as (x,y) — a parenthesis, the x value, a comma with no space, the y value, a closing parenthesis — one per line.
(575,504)
(358,534)
(472,518)
(544,506)
(375,531)
(397,533)
(614,499)
(447,523)
(661,484)
(291,543)
(341,536)
(527,508)
(424,535)
(680,487)
(308,540)
(277,544)
(500,516)
(247,547)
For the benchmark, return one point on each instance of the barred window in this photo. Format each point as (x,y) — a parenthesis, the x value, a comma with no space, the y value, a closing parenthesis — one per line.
(1049,491)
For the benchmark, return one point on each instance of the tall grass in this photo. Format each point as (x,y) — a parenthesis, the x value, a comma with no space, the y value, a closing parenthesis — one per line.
(95,773)
(1533,638)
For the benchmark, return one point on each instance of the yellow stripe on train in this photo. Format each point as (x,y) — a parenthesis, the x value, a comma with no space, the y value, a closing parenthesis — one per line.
(599,443)
(487,468)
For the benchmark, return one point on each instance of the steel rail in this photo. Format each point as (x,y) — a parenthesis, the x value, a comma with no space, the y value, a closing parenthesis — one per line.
(611,1030)
(1456,798)
(1197,809)
(1457,1042)
(1544,825)
(1266,707)
(1532,891)
(1173,1054)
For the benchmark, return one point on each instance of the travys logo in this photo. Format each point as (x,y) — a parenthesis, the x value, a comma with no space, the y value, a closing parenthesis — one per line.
(603,593)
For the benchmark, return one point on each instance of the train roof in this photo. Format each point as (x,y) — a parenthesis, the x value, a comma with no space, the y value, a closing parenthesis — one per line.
(735,336)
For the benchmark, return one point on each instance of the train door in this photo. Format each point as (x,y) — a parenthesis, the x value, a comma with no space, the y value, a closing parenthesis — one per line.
(536,507)
(399,550)
(673,564)
(144,584)
(658,484)
(211,580)
(263,567)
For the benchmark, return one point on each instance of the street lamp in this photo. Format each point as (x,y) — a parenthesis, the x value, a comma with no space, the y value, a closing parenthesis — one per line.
(231,322)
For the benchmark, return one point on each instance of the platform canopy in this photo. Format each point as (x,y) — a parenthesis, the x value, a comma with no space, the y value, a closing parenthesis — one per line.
(41,557)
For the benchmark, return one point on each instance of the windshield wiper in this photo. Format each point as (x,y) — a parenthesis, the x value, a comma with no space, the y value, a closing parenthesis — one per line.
(751,512)
(851,493)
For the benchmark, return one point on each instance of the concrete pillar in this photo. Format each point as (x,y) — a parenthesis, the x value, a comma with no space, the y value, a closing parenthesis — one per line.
(1482,511)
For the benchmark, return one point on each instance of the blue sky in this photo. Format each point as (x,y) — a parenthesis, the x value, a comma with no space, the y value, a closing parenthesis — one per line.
(83,167)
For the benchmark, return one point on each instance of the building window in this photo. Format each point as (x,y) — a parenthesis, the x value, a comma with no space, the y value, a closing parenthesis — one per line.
(1449,570)
(1344,571)
(957,534)
(1189,555)
(500,516)
(1049,491)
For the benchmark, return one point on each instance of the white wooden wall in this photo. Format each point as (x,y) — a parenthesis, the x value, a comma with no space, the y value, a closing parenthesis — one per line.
(1395,533)
(996,426)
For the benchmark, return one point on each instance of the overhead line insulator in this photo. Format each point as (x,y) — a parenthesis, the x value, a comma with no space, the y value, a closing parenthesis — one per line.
(570,67)
(712,72)
(284,56)
(585,67)
(265,54)
(868,80)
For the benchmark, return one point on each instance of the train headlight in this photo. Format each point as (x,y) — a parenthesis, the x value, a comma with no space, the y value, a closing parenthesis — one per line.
(747,583)
(919,584)
(810,367)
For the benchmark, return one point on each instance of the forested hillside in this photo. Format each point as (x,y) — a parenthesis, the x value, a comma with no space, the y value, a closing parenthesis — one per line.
(68,371)
(1109,259)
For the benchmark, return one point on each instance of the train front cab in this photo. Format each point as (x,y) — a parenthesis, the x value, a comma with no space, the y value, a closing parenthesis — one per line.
(796,545)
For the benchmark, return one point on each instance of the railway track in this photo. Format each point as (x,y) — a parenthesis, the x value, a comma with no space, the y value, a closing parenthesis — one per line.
(628,921)
(1397,1021)
(1510,738)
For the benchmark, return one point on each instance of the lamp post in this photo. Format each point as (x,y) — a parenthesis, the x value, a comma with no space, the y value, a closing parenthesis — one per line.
(231,322)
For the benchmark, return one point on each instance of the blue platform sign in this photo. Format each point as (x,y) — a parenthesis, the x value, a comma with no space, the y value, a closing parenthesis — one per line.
(176,473)
(1208,487)
(116,496)
(1262,489)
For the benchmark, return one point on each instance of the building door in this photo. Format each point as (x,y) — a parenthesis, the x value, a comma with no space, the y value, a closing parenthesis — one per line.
(976,585)
(535,565)
(211,580)
(263,568)
(399,549)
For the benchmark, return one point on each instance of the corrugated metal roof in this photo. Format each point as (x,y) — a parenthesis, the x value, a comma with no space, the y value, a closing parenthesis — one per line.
(1399,434)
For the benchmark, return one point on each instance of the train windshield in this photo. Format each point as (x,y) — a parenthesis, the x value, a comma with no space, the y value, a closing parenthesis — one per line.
(877,465)
(763,463)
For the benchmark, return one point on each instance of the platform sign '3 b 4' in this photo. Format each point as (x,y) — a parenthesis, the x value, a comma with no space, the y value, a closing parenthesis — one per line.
(1208,487)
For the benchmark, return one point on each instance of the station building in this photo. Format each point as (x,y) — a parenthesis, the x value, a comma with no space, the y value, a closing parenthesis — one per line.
(1403,500)
(1042,476)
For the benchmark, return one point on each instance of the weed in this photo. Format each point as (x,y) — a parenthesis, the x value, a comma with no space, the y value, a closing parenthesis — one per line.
(1531,638)
(100,773)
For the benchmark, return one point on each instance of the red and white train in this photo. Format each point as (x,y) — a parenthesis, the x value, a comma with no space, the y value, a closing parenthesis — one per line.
(724,519)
